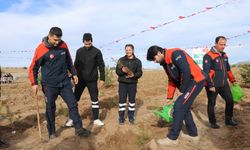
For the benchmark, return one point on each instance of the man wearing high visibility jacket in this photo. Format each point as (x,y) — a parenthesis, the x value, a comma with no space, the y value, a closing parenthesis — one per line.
(53,56)
(184,74)
(215,64)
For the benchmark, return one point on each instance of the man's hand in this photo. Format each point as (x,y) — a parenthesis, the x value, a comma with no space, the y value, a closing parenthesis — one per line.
(212,89)
(235,83)
(131,75)
(101,83)
(125,69)
(35,89)
(166,102)
(169,101)
(69,74)
(75,79)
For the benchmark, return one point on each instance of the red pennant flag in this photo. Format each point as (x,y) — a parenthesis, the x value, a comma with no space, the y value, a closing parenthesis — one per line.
(143,31)
(209,8)
(193,14)
(152,28)
(181,17)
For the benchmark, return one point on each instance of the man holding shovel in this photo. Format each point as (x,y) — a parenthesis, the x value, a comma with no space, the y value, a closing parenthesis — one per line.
(53,56)
(184,74)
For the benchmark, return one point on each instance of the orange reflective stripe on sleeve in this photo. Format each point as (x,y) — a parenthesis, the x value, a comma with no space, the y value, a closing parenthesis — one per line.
(211,74)
(231,76)
(40,51)
(171,89)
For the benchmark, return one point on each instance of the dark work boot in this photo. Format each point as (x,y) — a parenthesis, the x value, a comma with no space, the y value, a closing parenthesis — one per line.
(132,121)
(3,144)
(82,132)
(214,126)
(121,117)
(52,136)
(231,123)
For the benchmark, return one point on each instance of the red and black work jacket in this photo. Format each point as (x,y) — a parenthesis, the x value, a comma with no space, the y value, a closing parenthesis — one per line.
(181,69)
(55,62)
(216,65)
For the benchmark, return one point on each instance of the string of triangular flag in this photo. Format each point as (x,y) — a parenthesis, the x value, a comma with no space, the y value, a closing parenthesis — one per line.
(179,18)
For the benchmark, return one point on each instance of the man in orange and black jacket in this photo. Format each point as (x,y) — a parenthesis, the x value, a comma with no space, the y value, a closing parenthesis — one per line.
(53,56)
(184,74)
(215,64)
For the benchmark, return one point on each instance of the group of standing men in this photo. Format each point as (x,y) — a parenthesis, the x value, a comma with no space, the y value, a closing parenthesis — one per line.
(53,56)
(57,70)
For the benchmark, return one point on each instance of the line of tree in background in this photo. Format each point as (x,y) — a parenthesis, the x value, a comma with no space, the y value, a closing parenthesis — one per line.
(245,74)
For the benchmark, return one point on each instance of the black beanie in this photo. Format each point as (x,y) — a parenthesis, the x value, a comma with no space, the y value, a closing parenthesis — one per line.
(87,36)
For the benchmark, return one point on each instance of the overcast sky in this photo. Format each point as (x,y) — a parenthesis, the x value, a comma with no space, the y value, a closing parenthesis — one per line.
(25,22)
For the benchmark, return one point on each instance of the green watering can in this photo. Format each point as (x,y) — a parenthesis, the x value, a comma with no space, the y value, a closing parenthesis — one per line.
(166,113)
(237,93)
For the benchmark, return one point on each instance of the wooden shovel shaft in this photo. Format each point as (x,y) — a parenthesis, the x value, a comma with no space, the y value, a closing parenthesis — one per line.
(38,116)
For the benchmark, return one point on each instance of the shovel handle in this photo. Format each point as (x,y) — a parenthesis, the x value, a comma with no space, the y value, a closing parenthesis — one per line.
(38,115)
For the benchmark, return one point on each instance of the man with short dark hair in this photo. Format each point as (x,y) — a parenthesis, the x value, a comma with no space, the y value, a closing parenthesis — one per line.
(184,74)
(87,62)
(53,56)
(215,64)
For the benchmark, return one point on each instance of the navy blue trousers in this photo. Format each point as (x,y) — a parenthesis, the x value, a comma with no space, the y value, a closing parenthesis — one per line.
(127,90)
(66,92)
(182,111)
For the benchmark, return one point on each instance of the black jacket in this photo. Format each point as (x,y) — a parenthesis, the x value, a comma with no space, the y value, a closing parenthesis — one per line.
(87,62)
(134,65)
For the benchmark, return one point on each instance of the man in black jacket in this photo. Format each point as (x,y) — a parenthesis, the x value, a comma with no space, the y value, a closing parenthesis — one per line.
(129,70)
(87,62)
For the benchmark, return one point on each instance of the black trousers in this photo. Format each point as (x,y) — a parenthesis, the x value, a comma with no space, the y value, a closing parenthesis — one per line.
(93,92)
(127,90)
(226,94)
